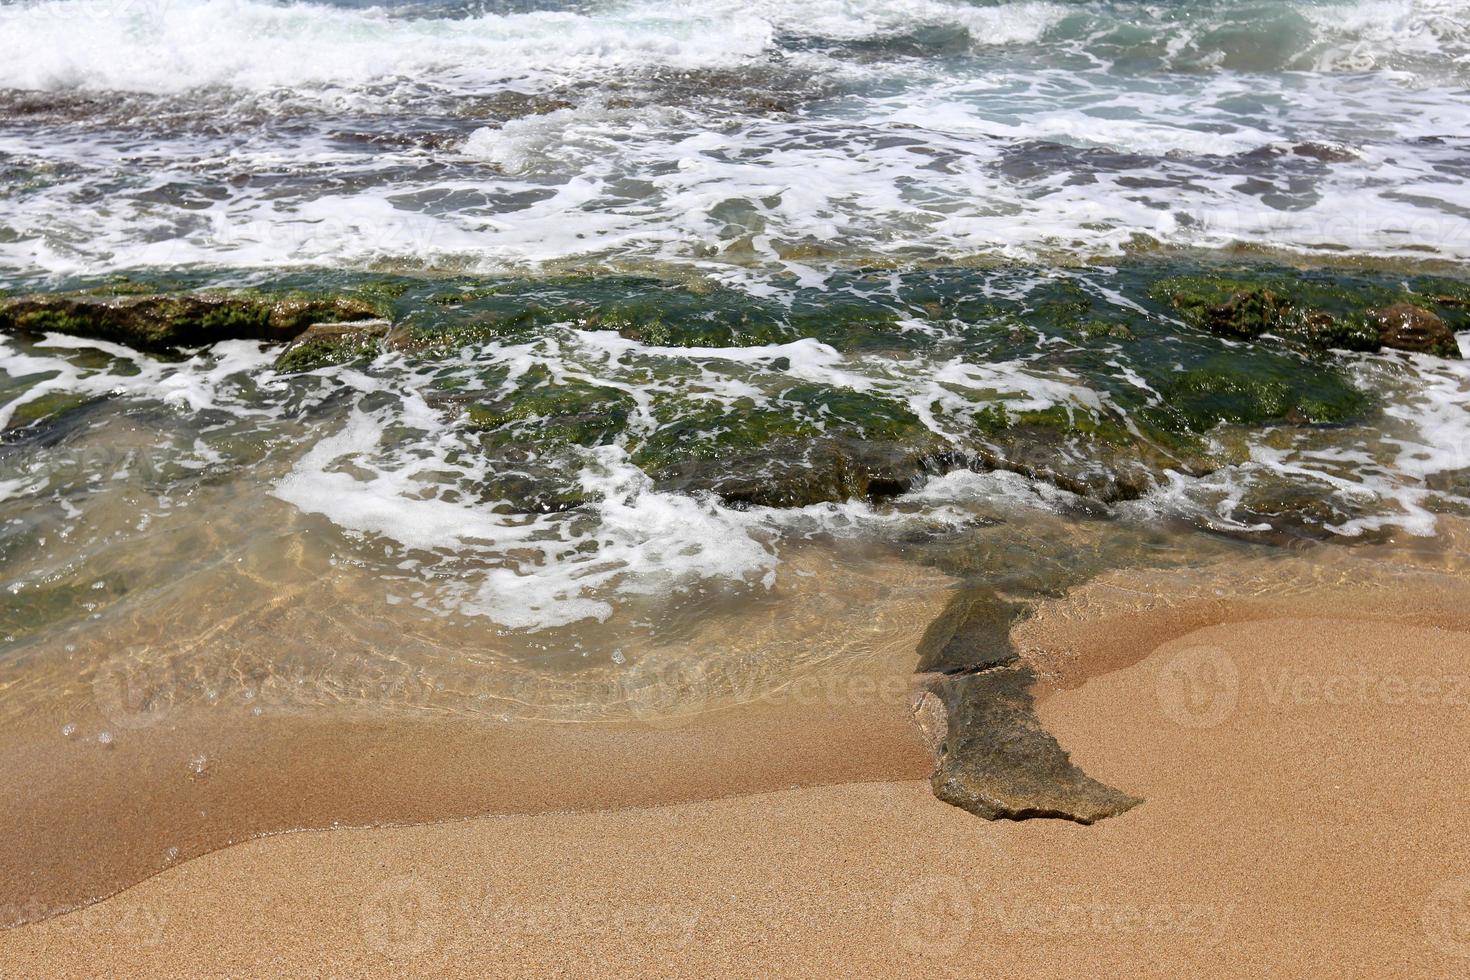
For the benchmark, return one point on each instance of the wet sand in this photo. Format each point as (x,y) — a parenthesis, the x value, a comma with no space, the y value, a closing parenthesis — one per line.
(1304,785)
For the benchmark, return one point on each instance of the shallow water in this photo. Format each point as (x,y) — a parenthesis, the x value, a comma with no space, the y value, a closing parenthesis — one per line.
(726,349)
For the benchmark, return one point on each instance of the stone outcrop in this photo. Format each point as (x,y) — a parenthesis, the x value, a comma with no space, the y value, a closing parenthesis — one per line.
(164,322)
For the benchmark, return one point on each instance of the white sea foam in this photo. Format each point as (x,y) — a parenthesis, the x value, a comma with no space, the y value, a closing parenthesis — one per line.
(905,157)
(198,384)
(259,46)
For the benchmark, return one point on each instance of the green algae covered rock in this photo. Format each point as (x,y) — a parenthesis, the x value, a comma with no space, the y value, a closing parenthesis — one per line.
(1227,392)
(163,322)
(327,344)
(544,411)
(1319,312)
(809,444)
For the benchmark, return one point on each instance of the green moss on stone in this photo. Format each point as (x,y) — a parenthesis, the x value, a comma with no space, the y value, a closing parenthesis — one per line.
(548,412)
(51,404)
(1206,397)
(163,322)
(1319,311)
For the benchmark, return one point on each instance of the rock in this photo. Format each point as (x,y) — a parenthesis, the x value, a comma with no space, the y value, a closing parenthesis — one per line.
(992,756)
(163,322)
(543,413)
(49,406)
(1320,314)
(996,761)
(793,471)
(810,444)
(1232,393)
(1247,314)
(325,344)
(1325,152)
(1404,326)
(973,633)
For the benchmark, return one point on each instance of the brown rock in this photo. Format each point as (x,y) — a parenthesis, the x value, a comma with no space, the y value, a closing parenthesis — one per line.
(1404,326)
(992,757)
(996,761)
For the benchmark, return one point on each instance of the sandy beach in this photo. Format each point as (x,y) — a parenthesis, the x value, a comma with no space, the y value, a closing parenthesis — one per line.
(1302,780)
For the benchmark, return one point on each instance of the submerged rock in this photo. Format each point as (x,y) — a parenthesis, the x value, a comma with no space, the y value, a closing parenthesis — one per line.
(813,444)
(1237,394)
(543,413)
(163,322)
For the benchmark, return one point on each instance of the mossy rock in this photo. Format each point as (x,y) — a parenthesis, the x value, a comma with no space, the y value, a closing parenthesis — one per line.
(546,412)
(1315,311)
(163,322)
(1227,392)
(1091,454)
(48,406)
(660,324)
(544,490)
(328,344)
(809,444)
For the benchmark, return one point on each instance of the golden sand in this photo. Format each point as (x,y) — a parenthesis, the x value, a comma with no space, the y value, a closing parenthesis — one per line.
(1304,785)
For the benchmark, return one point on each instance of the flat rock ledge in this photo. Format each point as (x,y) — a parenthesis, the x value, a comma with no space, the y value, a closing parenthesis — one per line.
(163,322)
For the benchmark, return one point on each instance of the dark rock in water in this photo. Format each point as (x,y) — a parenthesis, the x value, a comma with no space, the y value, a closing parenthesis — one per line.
(996,761)
(1325,152)
(816,444)
(48,407)
(543,413)
(162,322)
(796,472)
(1404,326)
(973,633)
(325,344)
(1281,510)
(508,104)
(1246,314)
(1318,315)
(1240,394)
(1096,455)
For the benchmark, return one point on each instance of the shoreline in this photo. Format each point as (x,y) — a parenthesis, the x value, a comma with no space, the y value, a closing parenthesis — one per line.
(1261,827)
(1226,781)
